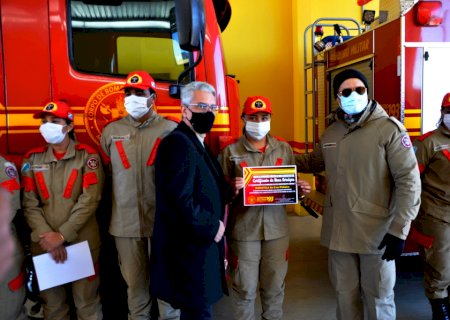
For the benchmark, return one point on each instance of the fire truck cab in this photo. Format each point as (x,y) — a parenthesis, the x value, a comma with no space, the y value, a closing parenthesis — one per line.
(81,51)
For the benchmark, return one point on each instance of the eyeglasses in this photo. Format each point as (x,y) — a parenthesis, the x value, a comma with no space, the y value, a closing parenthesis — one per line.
(204,106)
(346,92)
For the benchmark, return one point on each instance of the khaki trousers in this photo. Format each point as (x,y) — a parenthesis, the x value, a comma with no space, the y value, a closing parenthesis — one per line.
(436,259)
(364,286)
(85,296)
(264,262)
(134,261)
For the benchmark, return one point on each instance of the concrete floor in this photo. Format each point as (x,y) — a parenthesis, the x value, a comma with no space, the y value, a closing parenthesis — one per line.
(309,295)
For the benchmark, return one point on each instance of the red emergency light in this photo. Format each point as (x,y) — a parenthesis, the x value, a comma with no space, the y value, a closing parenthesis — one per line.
(363,2)
(429,13)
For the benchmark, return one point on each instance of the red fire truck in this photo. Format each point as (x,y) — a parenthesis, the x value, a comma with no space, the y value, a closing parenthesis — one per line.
(404,55)
(80,52)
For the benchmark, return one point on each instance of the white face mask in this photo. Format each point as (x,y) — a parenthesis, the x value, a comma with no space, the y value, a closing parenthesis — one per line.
(354,103)
(136,106)
(52,132)
(257,130)
(446,120)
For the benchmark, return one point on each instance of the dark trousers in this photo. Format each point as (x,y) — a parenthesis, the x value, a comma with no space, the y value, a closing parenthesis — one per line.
(199,313)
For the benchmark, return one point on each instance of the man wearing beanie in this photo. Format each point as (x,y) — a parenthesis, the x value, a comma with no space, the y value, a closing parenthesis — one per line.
(372,195)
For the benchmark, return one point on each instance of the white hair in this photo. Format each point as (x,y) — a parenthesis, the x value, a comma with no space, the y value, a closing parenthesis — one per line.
(187,92)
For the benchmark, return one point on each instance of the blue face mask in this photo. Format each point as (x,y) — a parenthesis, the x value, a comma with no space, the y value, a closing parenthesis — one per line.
(354,103)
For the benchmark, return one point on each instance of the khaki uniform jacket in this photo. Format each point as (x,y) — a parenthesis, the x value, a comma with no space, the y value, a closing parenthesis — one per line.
(9,180)
(131,148)
(372,181)
(63,195)
(433,154)
(258,222)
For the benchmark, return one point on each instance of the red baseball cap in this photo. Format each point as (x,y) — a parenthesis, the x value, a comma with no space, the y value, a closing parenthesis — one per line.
(140,80)
(59,109)
(257,104)
(446,101)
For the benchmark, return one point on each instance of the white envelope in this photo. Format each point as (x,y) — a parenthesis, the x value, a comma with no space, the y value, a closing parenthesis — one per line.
(78,265)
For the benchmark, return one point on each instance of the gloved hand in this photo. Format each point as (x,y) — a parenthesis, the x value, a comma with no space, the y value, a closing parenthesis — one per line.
(394,247)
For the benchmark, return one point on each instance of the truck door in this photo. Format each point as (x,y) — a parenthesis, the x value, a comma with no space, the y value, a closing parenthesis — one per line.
(436,70)
(25,71)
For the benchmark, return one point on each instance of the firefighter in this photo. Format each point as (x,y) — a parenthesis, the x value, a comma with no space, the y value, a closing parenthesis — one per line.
(129,145)
(372,195)
(12,290)
(62,184)
(433,155)
(258,235)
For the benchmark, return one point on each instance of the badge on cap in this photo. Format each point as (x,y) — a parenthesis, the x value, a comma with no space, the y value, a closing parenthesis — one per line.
(51,107)
(135,79)
(259,104)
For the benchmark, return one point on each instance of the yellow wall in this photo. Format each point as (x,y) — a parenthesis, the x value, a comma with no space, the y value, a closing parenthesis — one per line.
(263,46)
(258,49)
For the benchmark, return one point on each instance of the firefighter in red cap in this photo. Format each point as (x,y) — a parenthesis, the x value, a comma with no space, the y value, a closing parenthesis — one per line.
(129,145)
(12,289)
(258,235)
(62,185)
(433,154)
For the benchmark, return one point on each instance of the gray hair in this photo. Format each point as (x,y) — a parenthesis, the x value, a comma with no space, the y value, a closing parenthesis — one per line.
(187,92)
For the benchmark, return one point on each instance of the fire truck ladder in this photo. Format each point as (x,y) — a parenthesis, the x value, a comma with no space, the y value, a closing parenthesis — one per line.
(312,60)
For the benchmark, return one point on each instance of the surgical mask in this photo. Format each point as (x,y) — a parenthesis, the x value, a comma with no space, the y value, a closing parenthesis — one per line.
(136,106)
(257,130)
(52,132)
(354,103)
(446,120)
(202,122)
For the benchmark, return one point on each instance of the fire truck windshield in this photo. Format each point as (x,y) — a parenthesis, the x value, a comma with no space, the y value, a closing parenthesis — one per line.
(129,35)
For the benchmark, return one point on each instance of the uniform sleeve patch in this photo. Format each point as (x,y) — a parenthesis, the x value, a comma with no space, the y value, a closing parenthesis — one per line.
(92,163)
(10,170)
(26,167)
(406,142)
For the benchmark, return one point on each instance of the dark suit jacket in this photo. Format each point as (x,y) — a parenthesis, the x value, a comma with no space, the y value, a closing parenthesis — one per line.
(187,265)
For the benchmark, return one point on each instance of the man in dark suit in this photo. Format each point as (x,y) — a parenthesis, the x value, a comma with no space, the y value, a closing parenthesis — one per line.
(187,268)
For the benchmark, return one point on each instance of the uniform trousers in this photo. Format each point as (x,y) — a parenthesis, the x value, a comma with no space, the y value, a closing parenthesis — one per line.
(134,261)
(263,261)
(11,299)
(364,285)
(85,296)
(436,259)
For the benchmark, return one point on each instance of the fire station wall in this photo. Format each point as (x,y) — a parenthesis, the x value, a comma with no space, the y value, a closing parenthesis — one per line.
(258,49)
(263,46)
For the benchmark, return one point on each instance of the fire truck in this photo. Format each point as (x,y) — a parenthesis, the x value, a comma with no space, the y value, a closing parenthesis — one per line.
(81,51)
(404,55)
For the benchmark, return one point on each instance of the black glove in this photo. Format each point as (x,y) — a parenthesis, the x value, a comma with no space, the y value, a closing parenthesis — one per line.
(394,247)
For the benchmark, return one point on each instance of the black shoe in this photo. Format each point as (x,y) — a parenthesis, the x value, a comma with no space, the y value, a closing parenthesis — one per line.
(440,308)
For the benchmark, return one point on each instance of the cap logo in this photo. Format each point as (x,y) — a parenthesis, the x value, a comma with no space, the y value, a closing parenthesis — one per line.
(135,79)
(259,104)
(50,107)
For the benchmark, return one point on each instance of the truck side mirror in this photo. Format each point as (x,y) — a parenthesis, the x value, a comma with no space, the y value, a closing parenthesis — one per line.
(190,26)
(190,16)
